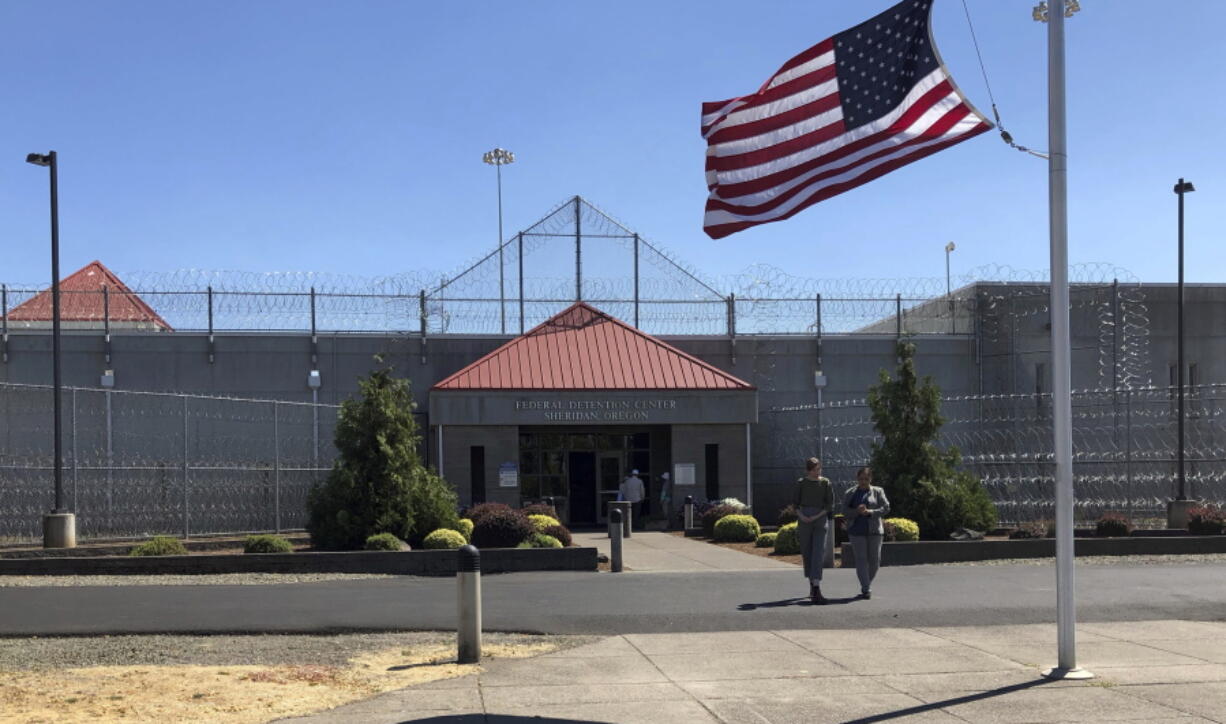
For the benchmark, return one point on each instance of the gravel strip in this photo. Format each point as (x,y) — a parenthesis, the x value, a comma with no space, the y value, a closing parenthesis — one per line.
(220,579)
(1164,560)
(32,654)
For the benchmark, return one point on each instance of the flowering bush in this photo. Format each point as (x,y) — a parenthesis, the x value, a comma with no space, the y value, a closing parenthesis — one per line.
(1207,520)
(444,539)
(713,515)
(900,529)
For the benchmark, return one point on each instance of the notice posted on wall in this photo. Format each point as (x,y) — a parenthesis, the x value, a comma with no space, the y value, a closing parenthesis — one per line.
(683,474)
(508,475)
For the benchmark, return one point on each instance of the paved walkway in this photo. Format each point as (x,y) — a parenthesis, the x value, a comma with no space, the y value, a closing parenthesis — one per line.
(1153,671)
(656,551)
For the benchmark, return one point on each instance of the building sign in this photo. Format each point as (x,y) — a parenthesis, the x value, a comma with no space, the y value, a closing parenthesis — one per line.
(508,475)
(683,474)
(598,410)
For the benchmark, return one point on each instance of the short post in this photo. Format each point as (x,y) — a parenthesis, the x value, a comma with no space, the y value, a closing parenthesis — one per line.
(615,540)
(468,580)
(689,512)
(625,507)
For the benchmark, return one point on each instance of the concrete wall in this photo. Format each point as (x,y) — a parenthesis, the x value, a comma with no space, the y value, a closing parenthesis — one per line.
(501,445)
(689,446)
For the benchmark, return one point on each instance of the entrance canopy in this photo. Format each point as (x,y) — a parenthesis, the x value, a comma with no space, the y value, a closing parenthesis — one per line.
(583,367)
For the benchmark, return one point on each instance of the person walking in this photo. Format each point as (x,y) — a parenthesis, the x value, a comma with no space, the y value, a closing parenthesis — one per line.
(865,506)
(814,499)
(631,490)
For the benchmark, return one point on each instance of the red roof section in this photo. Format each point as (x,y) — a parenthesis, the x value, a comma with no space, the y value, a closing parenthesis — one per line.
(81,300)
(583,348)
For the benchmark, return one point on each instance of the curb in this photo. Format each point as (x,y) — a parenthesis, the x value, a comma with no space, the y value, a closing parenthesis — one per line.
(406,563)
(921,552)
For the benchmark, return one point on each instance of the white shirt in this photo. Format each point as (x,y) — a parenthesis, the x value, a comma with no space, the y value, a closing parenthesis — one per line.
(632,489)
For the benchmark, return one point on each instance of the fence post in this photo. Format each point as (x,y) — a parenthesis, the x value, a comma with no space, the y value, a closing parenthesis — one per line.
(276,468)
(187,516)
(578,253)
(106,321)
(75,467)
(422,321)
(636,281)
(4,320)
(1128,447)
(210,300)
(110,468)
(520,242)
(898,315)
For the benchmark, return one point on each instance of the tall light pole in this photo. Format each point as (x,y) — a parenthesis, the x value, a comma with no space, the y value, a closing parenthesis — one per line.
(59,526)
(498,158)
(1181,188)
(953,324)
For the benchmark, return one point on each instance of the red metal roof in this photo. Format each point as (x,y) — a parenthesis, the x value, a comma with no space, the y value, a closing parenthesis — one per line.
(81,300)
(583,348)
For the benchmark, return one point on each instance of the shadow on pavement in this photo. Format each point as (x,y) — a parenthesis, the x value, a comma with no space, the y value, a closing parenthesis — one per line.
(497,719)
(801,601)
(933,706)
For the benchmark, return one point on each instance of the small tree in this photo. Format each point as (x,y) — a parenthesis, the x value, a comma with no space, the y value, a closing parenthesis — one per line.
(921,480)
(377,483)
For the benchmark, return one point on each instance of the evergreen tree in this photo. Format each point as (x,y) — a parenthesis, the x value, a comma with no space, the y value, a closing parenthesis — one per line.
(378,483)
(921,480)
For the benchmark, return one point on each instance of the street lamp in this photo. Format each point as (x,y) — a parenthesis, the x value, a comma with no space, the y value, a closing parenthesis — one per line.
(498,158)
(953,324)
(1181,188)
(59,526)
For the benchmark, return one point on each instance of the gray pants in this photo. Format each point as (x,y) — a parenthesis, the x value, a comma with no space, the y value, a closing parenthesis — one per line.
(813,546)
(867,549)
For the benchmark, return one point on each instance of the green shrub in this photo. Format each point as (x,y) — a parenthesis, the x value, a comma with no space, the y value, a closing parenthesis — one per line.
(561,533)
(541,522)
(787,540)
(540,540)
(384,542)
(159,545)
(960,501)
(501,529)
(443,539)
(465,527)
(714,513)
(765,540)
(737,529)
(900,529)
(1112,525)
(267,544)
(786,515)
(1207,520)
(378,483)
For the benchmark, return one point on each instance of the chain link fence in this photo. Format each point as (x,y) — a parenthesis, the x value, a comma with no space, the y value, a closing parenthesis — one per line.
(1125,444)
(137,464)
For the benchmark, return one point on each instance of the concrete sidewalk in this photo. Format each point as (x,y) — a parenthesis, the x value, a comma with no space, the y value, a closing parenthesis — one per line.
(656,551)
(1153,671)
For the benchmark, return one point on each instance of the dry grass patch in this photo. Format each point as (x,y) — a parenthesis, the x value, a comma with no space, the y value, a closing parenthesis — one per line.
(228,694)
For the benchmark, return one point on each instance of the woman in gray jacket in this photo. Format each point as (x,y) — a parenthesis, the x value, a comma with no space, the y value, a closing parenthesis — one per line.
(864,508)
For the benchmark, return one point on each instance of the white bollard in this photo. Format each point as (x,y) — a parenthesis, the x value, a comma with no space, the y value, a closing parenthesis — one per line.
(468,579)
(689,512)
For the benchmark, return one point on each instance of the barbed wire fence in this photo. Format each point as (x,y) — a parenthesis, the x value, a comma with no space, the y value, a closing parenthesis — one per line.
(1124,443)
(139,463)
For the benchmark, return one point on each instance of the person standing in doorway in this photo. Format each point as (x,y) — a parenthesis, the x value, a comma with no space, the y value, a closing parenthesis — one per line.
(865,506)
(632,492)
(814,499)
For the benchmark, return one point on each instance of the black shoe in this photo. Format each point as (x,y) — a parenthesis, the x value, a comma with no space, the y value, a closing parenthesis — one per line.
(816,596)
(865,595)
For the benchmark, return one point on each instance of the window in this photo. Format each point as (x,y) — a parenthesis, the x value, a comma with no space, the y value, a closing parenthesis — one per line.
(712,470)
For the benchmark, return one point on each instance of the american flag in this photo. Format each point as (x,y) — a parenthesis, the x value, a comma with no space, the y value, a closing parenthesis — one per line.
(851,108)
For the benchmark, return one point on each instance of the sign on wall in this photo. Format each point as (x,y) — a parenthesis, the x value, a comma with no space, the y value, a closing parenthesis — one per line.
(508,475)
(683,474)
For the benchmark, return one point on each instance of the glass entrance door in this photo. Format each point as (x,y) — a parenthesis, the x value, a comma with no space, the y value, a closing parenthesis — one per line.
(609,480)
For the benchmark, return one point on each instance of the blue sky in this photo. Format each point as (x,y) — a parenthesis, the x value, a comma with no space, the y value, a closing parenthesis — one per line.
(347,137)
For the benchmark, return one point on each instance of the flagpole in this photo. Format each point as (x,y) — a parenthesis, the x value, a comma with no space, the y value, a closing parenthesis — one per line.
(1061,363)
